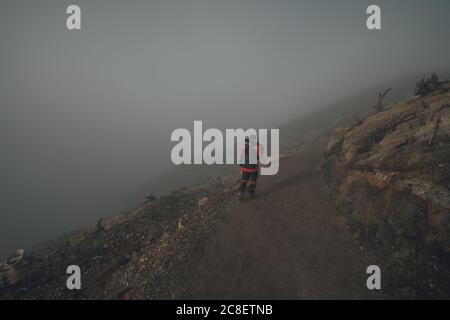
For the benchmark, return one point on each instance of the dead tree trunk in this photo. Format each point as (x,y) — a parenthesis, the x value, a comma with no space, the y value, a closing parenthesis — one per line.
(381,96)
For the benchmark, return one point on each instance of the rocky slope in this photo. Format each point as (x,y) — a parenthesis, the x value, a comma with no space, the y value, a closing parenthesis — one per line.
(197,243)
(390,179)
(135,252)
(391,176)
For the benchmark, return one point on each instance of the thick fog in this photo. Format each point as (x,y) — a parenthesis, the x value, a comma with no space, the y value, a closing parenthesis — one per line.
(86,116)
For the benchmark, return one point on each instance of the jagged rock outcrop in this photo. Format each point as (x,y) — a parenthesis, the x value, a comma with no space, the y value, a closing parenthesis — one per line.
(391,177)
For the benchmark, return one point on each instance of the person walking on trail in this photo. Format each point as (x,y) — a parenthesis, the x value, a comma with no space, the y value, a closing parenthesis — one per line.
(249,167)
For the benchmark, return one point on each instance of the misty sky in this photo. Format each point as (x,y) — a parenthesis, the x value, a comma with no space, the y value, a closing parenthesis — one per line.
(86,116)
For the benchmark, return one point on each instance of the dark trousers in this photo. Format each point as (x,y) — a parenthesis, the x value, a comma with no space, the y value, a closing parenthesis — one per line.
(250,179)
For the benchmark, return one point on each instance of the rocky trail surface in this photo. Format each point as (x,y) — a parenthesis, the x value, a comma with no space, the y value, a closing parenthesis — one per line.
(288,243)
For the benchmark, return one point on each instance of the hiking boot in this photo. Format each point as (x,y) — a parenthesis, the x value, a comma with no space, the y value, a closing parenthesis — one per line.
(240,196)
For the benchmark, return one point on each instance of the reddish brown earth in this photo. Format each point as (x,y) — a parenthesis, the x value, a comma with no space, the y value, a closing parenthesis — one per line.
(288,243)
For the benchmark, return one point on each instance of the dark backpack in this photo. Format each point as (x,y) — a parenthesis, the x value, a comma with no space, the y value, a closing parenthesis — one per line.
(250,153)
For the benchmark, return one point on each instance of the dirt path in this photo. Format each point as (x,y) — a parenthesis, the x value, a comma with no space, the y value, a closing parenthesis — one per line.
(288,243)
